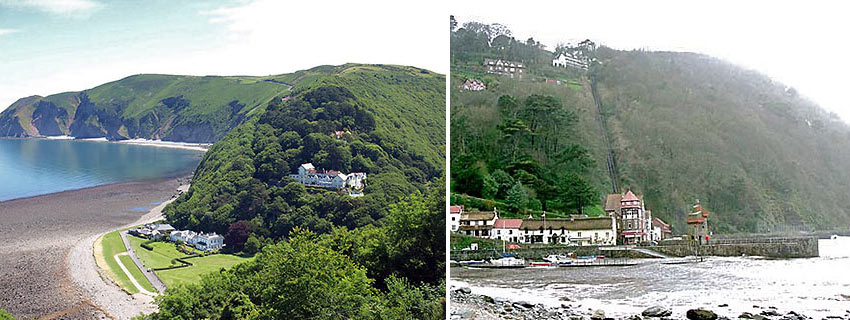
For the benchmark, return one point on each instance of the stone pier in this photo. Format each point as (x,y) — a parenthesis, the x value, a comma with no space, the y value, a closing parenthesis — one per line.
(784,247)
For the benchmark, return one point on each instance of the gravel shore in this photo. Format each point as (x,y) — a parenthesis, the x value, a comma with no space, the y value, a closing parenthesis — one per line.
(47,270)
(468,305)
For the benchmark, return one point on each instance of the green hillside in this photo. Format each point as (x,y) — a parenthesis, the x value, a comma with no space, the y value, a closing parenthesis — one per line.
(682,126)
(167,107)
(321,252)
(392,118)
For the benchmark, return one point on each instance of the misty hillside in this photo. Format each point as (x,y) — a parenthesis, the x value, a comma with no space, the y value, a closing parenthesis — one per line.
(682,126)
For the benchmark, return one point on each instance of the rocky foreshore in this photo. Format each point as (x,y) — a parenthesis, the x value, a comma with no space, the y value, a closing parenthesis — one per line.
(467,305)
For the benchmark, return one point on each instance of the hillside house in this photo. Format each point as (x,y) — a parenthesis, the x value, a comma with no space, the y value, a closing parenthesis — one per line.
(513,69)
(477,223)
(634,222)
(583,231)
(309,176)
(473,85)
(572,59)
(506,230)
(454,217)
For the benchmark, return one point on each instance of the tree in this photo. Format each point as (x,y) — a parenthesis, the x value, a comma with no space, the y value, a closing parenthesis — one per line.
(516,198)
(253,245)
(5,315)
(237,234)
(504,182)
(276,285)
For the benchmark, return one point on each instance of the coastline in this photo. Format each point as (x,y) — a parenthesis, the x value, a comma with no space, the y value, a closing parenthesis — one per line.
(43,239)
(94,283)
(203,147)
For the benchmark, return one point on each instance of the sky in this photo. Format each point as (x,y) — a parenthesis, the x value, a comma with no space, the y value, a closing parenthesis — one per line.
(53,46)
(802,44)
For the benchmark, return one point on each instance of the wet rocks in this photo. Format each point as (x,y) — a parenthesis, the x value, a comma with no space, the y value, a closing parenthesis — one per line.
(701,314)
(656,311)
(771,313)
(597,315)
(745,315)
(465,290)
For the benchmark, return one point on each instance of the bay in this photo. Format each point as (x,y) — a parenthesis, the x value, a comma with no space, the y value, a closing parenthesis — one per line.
(32,167)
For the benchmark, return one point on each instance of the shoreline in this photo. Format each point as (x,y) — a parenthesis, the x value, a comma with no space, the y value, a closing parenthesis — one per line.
(95,283)
(46,244)
(202,147)
(179,177)
(466,304)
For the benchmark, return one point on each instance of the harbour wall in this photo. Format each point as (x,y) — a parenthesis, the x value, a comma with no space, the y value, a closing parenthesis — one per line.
(784,247)
(776,247)
(537,253)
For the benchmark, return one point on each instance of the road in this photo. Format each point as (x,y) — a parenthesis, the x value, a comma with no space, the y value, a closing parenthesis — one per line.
(150,275)
(129,275)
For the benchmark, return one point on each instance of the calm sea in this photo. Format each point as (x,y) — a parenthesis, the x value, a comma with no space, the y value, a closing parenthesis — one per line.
(31,167)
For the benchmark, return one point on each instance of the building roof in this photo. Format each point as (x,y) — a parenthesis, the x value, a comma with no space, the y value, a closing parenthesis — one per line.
(695,219)
(477,215)
(568,224)
(660,223)
(629,196)
(308,166)
(455,209)
(475,227)
(508,224)
(612,202)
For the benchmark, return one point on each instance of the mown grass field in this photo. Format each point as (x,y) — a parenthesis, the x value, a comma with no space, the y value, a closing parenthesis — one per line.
(165,254)
(201,266)
(110,245)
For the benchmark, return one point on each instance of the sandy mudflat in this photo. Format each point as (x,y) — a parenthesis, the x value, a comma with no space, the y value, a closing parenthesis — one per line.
(37,236)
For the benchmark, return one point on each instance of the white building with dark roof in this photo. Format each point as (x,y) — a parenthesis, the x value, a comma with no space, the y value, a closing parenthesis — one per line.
(201,241)
(506,67)
(308,175)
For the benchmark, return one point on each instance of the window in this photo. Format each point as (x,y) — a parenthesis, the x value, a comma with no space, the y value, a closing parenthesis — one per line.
(510,232)
(579,234)
(453,218)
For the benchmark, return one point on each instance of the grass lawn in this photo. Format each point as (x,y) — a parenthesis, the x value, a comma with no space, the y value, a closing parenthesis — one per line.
(164,255)
(109,245)
(128,263)
(201,266)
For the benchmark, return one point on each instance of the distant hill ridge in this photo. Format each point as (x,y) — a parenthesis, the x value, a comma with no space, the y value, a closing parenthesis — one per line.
(154,106)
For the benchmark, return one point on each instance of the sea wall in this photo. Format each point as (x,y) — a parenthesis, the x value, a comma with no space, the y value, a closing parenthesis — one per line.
(537,253)
(786,247)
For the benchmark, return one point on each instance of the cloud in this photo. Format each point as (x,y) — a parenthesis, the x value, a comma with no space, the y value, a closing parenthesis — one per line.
(7,31)
(59,7)
(303,34)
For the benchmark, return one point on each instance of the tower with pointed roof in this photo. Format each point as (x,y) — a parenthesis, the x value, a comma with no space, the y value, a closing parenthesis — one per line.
(698,223)
(634,222)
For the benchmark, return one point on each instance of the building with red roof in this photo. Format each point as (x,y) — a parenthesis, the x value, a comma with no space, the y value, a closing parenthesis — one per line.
(507,230)
(454,217)
(698,223)
(634,222)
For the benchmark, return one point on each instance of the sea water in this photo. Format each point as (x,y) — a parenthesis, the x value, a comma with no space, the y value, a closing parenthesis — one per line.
(31,167)
(817,287)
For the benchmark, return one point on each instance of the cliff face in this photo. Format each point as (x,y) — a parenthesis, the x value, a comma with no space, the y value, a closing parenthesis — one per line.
(173,108)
